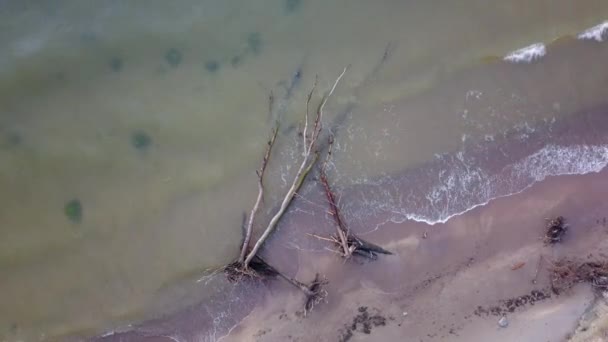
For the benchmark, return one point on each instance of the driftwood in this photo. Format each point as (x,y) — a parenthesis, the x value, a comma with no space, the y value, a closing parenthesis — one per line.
(310,156)
(567,273)
(250,264)
(347,242)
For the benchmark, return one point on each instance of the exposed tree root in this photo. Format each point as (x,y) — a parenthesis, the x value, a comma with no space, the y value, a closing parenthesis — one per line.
(260,269)
(257,269)
(556,229)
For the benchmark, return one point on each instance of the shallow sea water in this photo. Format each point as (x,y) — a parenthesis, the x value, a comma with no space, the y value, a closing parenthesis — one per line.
(129,132)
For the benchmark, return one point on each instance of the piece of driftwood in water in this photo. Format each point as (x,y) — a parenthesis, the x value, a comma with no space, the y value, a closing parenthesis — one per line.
(310,154)
(258,201)
(556,229)
(347,242)
(249,264)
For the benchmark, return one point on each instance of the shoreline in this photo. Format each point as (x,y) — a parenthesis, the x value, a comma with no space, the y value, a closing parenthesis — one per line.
(435,294)
(425,289)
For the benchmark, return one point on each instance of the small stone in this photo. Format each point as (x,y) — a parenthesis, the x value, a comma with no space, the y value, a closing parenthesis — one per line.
(173,57)
(404,313)
(73,210)
(503,322)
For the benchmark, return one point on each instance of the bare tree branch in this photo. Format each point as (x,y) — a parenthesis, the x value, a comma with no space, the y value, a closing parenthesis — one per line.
(310,157)
(256,206)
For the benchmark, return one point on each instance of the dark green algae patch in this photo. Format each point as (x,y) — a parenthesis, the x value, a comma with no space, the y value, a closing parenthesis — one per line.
(141,140)
(173,57)
(73,210)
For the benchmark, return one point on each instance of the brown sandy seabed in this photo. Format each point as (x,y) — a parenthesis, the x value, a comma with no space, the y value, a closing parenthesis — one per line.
(432,288)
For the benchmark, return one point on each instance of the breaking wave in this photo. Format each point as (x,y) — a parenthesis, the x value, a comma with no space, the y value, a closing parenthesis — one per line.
(456,183)
(527,54)
(597,33)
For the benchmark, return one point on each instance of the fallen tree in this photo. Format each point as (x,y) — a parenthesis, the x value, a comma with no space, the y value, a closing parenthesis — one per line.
(346,242)
(249,263)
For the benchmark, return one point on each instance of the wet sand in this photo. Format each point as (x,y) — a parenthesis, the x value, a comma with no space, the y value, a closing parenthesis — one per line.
(442,280)
(431,289)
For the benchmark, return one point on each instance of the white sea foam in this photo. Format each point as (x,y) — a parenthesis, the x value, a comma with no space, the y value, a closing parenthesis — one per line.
(528,54)
(474,187)
(597,32)
(555,160)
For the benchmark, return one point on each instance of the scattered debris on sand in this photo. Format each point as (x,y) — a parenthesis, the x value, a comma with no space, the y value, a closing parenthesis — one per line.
(510,305)
(362,322)
(556,228)
(567,273)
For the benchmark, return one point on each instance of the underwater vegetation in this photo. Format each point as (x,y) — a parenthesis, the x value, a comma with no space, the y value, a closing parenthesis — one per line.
(141,140)
(73,210)
(292,5)
(116,64)
(212,66)
(254,42)
(173,57)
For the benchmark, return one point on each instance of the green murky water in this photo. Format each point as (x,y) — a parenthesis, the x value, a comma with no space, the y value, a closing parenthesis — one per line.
(129,131)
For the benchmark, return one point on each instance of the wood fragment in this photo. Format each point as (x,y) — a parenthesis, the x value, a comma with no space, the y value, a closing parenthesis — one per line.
(348,243)
(256,206)
(517,266)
